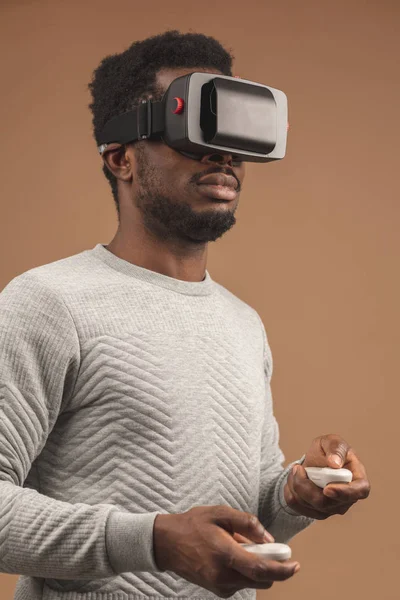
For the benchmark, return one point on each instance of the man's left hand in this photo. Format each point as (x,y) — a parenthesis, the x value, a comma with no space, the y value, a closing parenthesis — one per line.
(306,498)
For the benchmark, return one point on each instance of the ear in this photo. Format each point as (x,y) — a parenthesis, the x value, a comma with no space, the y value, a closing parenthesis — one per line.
(118,161)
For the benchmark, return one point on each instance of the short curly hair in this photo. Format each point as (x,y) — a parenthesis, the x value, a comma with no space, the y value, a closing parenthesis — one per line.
(122,80)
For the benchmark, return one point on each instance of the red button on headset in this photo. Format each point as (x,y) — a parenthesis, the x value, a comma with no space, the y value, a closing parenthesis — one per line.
(179,106)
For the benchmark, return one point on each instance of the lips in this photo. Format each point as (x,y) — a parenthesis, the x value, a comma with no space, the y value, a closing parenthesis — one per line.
(219,179)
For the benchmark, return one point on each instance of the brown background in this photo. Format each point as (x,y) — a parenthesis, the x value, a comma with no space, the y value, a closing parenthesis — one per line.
(316,245)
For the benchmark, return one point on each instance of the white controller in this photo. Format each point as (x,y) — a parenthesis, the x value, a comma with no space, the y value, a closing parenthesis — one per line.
(271,551)
(321,476)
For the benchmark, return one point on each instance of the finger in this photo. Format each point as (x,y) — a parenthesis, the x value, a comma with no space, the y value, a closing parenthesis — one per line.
(315,501)
(303,492)
(259,569)
(359,488)
(245,523)
(335,449)
(309,493)
(325,509)
(304,509)
(332,508)
(355,465)
(348,492)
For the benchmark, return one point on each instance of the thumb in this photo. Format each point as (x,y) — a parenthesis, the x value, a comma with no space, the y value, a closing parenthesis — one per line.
(335,448)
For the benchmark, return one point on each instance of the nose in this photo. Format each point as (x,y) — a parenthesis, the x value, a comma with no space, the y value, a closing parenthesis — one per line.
(217,157)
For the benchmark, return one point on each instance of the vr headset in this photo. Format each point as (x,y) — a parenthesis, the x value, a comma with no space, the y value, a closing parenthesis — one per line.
(204,112)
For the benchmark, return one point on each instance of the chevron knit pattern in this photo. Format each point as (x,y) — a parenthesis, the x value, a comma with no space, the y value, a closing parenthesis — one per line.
(124,394)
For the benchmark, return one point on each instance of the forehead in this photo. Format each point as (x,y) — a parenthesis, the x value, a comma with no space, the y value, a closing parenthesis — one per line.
(164,77)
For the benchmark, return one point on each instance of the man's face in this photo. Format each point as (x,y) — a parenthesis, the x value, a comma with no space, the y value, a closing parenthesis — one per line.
(164,186)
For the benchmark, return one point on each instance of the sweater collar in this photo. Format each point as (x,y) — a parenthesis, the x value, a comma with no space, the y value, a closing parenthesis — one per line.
(192,288)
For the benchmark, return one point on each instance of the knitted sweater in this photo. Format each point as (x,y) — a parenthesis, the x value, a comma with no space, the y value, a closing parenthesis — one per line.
(126,393)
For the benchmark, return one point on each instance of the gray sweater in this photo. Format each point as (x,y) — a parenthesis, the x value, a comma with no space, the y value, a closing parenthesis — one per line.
(124,394)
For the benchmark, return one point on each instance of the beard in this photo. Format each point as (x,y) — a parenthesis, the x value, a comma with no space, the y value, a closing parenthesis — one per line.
(172,219)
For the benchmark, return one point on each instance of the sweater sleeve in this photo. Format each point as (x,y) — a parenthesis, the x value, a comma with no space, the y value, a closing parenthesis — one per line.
(273,512)
(39,535)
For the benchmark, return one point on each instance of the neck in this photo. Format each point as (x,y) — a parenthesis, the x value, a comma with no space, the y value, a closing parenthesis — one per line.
(167,257)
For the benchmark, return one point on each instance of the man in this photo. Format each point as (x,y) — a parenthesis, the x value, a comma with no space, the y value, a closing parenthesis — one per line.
(139,444)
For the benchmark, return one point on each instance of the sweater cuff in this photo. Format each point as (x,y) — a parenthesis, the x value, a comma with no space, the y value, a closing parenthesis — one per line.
(282,500)
(129,541)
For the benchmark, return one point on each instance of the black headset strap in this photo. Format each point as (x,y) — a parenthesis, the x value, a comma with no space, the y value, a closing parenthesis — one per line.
(143,122)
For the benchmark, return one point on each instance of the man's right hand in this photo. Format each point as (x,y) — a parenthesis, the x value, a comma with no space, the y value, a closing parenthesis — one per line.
(198,545)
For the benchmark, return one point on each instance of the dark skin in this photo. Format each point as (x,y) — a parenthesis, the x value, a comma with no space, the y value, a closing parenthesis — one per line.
(306,498)
(165,223)
(165,226)
(309,500)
